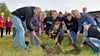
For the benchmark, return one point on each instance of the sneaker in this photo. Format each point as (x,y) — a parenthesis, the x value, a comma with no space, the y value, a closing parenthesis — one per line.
(27,50)
(70,44)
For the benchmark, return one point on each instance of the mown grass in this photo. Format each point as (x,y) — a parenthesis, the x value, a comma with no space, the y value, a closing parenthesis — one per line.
(6,48)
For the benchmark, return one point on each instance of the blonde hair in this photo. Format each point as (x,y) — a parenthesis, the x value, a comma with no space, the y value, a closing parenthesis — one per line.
(2,13)
(43,14)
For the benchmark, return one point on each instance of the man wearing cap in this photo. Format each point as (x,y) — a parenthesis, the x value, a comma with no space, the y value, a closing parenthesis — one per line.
(92,37)
(20,15)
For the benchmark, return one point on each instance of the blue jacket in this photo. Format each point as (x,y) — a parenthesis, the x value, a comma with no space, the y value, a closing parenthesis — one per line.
(84,18)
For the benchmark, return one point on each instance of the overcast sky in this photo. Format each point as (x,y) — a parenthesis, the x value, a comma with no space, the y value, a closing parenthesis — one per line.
(59,5)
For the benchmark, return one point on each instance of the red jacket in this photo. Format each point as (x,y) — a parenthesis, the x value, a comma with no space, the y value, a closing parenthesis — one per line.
(2,21)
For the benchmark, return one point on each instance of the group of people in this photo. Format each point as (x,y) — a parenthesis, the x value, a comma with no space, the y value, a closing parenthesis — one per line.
(55,26)
(5,24)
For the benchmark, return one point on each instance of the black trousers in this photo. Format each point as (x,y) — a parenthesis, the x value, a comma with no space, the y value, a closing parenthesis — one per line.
(8,30)
(1,30)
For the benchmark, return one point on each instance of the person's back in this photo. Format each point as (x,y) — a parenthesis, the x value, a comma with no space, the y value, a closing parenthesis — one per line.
(24,12)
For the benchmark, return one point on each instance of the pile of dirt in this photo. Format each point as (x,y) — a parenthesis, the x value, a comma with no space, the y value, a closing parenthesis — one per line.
(58,50)
(73,51)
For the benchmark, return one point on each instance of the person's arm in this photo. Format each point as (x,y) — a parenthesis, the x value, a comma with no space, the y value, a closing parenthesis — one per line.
(66,27)
(56,39)
(89,19)
(79,27)
(4,20)
(28,24)
(83,40)
(45,22)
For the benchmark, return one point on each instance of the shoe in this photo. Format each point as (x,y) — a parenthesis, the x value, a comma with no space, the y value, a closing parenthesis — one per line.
(70,44)
(96,50)
(27,50)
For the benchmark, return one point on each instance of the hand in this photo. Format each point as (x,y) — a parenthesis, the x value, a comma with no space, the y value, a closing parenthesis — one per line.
(34,33)
(68,31)
(54,45)
(78,33)
(1,21)
(81,45)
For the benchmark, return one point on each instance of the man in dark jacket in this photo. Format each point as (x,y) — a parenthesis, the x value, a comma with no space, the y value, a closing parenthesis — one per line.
(50,20)
(92,37)
(20,15)
(71,25)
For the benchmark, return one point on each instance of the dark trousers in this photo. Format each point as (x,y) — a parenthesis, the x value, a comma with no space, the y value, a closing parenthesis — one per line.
(8,30)
(60,38)
(1,29)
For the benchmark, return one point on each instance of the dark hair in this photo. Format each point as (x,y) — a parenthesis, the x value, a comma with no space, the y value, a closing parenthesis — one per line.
(69,14)
(54,11)
(57,23)
(60,12)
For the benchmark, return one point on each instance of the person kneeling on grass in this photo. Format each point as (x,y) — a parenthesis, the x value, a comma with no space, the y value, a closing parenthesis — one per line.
(92,37)
(58,34)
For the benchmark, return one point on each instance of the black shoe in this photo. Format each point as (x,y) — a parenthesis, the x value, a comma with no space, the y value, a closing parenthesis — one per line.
(27,50)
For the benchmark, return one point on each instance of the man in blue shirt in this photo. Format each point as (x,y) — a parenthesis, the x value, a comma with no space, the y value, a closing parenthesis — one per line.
(82,17)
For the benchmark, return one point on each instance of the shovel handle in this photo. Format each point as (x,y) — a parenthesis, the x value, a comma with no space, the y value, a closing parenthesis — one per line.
(37,38)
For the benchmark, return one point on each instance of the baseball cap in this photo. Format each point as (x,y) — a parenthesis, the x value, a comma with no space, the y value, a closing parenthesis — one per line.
(85,23)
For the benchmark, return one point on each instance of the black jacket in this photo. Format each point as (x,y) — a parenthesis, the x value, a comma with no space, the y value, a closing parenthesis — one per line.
(71,25)
(25,13)
(94,31)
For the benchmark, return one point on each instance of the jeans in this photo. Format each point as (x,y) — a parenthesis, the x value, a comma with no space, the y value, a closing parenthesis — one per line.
(19,31)
(33,39)
(74,36)
(95,41)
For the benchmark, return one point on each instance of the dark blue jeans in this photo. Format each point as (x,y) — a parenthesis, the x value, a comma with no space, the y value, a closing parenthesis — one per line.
(74,36)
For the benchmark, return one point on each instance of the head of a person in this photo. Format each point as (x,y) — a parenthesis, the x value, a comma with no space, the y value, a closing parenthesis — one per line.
(72,12)
(66,13)
(8,18)
(37,11)
(69,17)
(42,16)
(51,12)
(2,14)
(84,9)
(60,14)
(77,14)
(54,15)
(85,26)
(57,25)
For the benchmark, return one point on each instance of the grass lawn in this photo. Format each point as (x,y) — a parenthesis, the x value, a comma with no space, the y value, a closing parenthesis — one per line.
(6,48)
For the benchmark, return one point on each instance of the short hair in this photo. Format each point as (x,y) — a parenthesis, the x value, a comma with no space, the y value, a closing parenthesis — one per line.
(60,12)
(54,11)
(43,14)
(69,14)
(2,13)
(84,8)
(57,23)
